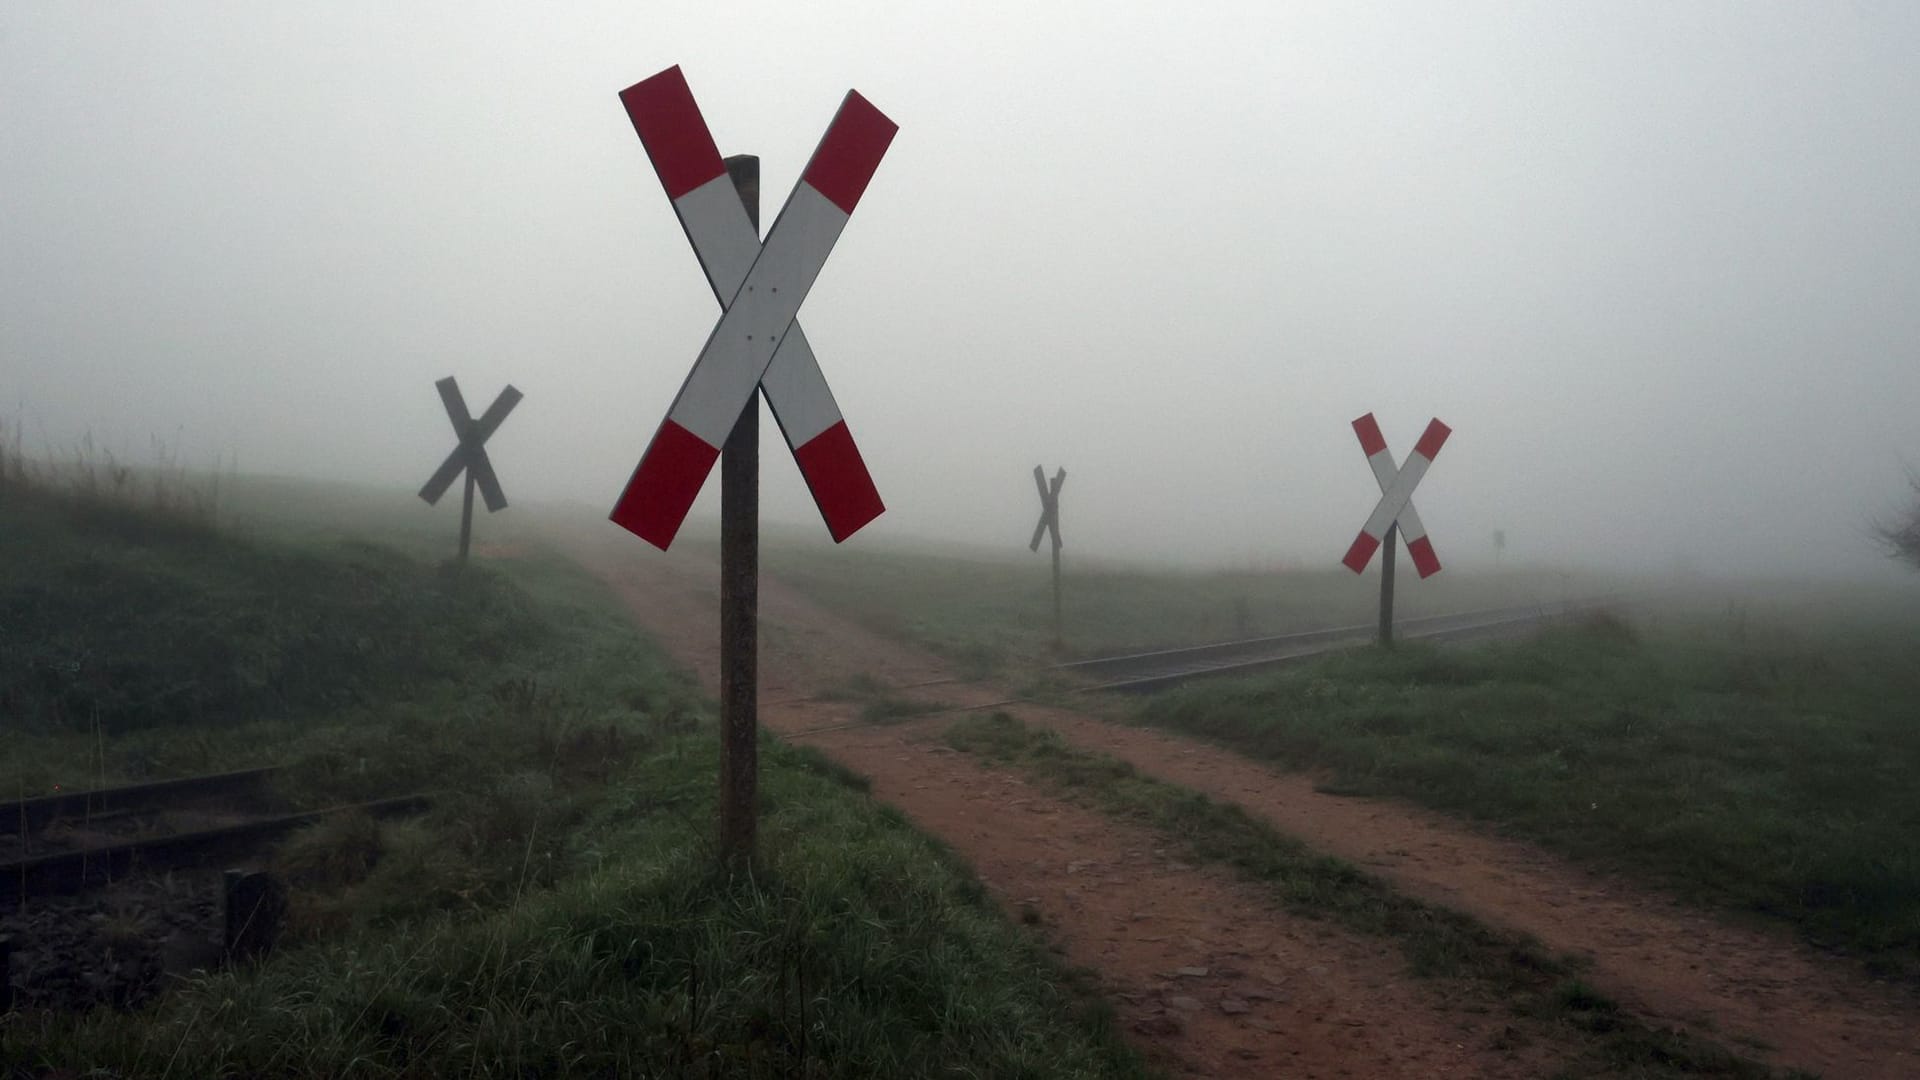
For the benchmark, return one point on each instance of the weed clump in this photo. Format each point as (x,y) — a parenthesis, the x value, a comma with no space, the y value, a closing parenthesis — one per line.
(335,852)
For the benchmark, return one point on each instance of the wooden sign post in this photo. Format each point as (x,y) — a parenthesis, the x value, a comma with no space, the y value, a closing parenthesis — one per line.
(470,456)
(1050,524)
(756,348)
(740,591)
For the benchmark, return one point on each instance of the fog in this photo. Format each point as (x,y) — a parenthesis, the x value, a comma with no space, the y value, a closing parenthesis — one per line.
(1656,264)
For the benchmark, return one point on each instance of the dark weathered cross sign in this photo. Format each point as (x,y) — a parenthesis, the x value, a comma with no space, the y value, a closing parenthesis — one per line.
(755,348)
(1394,513)
(470,455)
(1049,523)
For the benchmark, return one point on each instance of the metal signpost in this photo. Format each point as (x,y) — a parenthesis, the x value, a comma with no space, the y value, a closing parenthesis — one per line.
(1050,523)
(1394,516)
(470,455)
(755,348)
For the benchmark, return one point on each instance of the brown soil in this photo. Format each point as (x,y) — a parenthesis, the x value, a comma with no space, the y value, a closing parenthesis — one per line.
(1317,1001)
(1750,987)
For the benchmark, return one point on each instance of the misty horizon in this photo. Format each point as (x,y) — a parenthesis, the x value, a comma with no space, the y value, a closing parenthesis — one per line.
(1655,266)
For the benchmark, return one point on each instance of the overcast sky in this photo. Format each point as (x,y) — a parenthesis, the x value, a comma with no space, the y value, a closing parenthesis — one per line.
(1658,265)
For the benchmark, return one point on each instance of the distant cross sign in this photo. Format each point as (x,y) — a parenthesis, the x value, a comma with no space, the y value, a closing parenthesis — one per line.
(1049,507)
(1396,496)
(471,453)
(756,344)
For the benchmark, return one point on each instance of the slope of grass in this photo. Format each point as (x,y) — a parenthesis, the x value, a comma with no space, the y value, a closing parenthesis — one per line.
(115,620)
(555,913)
(1771,772)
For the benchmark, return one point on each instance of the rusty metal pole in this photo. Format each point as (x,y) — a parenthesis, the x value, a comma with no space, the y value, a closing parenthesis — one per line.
(1387,548)
(740,595)
(466,518)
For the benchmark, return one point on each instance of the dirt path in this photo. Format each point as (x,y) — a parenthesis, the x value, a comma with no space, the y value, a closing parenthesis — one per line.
(1210,979)
(1663,959)
(1321,1003)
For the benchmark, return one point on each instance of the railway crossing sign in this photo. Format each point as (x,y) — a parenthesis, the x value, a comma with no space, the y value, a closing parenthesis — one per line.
(755,348)
(1049,507)
(1050,524)
(756,344)
(1394,514)
(470,455)
(1395,508)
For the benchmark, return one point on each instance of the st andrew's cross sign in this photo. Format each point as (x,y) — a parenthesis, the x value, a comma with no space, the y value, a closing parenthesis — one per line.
(756,344)
(470,455)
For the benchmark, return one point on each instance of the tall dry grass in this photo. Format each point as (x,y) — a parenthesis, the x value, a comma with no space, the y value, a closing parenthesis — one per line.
(93,480)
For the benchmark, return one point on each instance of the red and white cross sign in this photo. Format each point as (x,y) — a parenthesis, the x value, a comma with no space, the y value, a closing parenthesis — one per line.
(757,344)
(1396,496)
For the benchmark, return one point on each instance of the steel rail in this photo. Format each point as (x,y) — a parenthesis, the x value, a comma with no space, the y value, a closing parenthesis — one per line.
(1149,671)
(29,815)
(78,869)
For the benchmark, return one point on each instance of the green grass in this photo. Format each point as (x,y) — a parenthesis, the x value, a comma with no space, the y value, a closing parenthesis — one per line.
(555,914)
(988,611)
(1750,765)
(857,948)
(117,621)
(1478,962)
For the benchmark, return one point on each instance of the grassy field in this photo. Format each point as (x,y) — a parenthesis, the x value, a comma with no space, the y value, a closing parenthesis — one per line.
(1750,762)
(556,913)
(1750,744)
(990,611)
(1481,967)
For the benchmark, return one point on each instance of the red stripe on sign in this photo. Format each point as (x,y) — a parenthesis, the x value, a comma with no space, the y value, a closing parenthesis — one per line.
(1362,550)
(1429,445)
(671,128)
(1424,560)
(662,489)
(1371,441)
(850,151)
(838,478)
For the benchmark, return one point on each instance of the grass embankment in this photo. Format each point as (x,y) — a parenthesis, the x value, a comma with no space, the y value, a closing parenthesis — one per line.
(555,914)
(1481,965)
(989,613)
(1757,767)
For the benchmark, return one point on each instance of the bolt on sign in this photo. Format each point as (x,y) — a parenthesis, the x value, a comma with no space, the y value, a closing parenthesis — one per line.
(756,343)
(470,455)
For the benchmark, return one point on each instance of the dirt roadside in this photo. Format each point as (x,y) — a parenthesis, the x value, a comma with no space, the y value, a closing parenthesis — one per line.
(1318,1002)
(1667,961)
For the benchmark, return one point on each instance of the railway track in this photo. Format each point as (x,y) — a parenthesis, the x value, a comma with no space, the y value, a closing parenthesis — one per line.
(1150,671)
(74,841)
(106,893)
